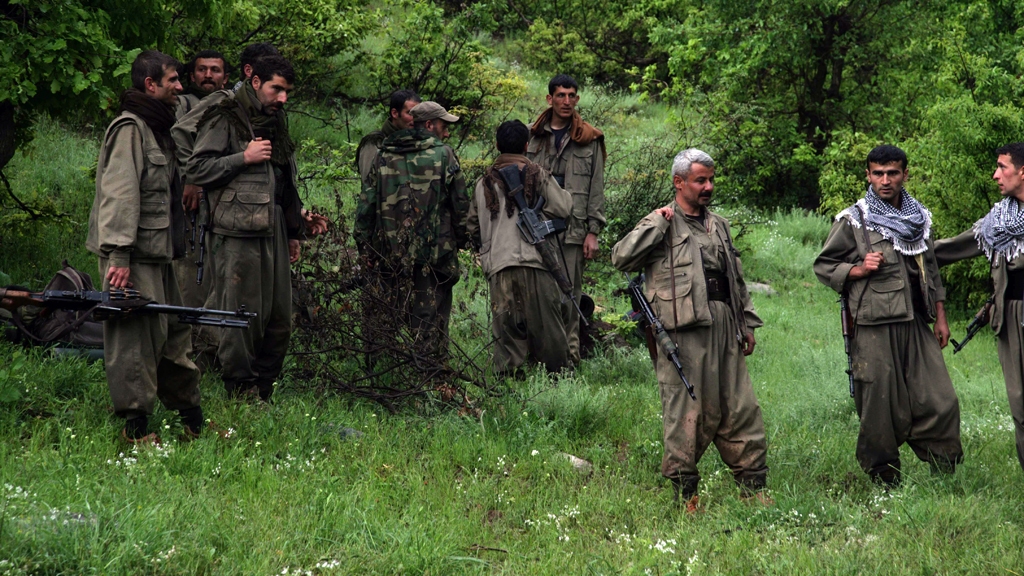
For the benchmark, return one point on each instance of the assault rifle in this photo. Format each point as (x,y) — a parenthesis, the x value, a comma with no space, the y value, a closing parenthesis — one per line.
(536,232)
(120,303)
(844,311)
(981,320)
(203,229)
(655,331)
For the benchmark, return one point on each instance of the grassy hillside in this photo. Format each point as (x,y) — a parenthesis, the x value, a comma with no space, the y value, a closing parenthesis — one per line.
(289,489)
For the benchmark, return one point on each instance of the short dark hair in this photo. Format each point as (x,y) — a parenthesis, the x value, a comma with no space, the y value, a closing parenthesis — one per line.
(269,66)
(887,154)
(512,137)
(151,64)
(1015,151)
(254,52)
(190,68)
(562,81)
(400,97)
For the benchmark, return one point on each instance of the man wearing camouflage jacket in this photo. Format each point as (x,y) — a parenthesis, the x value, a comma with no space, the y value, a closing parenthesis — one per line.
(411,220)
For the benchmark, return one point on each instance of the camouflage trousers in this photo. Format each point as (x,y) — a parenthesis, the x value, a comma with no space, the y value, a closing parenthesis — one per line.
(528,319)
(146,356)
(903,394)
(255,273)
(725,413)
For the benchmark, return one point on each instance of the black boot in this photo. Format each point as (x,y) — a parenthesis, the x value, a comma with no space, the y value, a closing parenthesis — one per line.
(192,421)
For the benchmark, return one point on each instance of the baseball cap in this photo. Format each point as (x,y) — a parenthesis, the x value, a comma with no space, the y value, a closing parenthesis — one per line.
(431,111)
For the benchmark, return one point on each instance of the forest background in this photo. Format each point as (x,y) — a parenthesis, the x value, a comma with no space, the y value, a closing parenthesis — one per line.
(788,96)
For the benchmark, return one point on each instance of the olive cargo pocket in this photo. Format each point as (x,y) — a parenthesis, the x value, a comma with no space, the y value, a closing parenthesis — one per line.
(677,312)
(153,238)
(583,161)
(244,212)
(884,300)
(680,256)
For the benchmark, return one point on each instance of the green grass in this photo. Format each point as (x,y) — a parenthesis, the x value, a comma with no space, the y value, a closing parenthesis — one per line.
(424,492)
(427,491)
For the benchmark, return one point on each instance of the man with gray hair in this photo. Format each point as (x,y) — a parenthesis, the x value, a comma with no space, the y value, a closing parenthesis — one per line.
(695,286)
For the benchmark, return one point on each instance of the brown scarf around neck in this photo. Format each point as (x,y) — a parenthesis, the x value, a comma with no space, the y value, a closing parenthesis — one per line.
(158,115)
(493,182)
(580,132)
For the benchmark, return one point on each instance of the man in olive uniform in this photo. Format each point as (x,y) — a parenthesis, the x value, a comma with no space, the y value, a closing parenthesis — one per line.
(573,151)
(245,161)
(411,220)
(695,287)
(136,228)
(399,118)
(207,74)
(879,254)
(999,236)
(528,311)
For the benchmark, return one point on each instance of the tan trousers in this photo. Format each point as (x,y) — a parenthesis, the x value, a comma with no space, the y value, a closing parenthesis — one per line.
(726,411)
(1011,356)
(147,356)
(528,319)
(903,394)
(574,268)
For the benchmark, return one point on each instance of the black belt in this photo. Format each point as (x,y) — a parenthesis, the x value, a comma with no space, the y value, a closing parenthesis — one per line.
(1015,285)
(718,287)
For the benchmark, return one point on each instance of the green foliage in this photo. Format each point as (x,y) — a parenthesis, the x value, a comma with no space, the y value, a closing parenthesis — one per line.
(607,42)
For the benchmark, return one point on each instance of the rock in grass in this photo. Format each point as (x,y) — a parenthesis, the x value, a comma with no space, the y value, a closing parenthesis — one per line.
(350,434)
(579,464)
(761,288)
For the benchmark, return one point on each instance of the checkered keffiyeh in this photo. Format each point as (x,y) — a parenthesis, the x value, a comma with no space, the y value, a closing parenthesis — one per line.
(1001,231)
(907,227)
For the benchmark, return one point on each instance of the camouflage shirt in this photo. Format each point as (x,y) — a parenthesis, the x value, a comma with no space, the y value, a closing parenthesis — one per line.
(414,205)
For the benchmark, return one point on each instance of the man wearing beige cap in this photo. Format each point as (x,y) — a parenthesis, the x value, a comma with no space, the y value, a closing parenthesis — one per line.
(411,223)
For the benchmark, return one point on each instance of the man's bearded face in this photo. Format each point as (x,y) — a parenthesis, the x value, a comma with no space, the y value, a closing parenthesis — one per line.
(209,74)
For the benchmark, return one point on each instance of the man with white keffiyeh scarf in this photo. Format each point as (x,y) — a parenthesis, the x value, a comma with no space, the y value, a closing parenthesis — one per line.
(879,255)
(999,236)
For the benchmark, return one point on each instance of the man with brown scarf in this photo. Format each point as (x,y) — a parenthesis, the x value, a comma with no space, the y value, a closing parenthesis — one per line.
(244,159)
(573,151)
(528,311)
(136,228)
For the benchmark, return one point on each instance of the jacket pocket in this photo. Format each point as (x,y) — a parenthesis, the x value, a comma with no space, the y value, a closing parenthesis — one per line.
(238,211)
(583,161)
(884,300)
(674,310)
(680,256)
(157,177)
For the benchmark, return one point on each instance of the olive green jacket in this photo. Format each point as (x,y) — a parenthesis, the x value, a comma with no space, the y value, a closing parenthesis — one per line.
(186,103)
(131,217)
(674,268)
(186,129)
(884,296)
(368,147)
(241,196)
(501,243)
(964,246)
(582,168)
